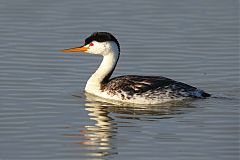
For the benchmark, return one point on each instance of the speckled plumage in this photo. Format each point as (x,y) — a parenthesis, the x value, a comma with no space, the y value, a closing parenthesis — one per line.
(150,87)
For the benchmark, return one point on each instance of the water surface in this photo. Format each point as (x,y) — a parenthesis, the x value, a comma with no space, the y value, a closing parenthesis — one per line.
(44,113)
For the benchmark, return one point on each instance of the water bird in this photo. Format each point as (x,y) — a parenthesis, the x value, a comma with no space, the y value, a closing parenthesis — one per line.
(129,88)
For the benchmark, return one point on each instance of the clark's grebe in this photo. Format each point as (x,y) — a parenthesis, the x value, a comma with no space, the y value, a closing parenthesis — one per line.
(129,88)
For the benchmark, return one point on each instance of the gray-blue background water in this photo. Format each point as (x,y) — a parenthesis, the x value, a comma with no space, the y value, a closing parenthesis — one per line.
(44,113)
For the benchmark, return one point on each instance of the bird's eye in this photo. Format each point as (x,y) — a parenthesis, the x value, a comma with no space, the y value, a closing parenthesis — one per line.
(91,44)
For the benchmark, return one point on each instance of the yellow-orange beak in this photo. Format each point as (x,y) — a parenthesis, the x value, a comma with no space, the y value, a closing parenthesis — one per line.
(77,49)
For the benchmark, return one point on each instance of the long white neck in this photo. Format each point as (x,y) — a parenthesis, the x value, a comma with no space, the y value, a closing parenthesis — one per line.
(103,72)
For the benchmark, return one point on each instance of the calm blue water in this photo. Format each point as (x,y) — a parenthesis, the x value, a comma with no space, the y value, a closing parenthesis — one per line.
(44,113)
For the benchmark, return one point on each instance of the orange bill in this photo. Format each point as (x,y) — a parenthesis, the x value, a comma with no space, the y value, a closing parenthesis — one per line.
(77,49)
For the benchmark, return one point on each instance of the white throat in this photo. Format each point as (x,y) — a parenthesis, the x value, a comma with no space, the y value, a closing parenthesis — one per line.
(106,67)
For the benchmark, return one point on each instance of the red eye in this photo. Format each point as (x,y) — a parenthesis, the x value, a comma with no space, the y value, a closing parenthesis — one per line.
(91,44)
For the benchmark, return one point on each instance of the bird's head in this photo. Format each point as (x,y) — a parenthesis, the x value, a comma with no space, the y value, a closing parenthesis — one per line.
(101,43)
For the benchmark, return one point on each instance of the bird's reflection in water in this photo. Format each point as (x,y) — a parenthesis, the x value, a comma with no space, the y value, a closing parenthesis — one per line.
(101,136)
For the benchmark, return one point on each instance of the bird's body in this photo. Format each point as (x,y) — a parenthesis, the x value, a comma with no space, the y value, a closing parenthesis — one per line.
(129,88)
(148,89)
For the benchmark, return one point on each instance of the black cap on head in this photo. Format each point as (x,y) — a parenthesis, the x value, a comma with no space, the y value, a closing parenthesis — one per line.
(102,37)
